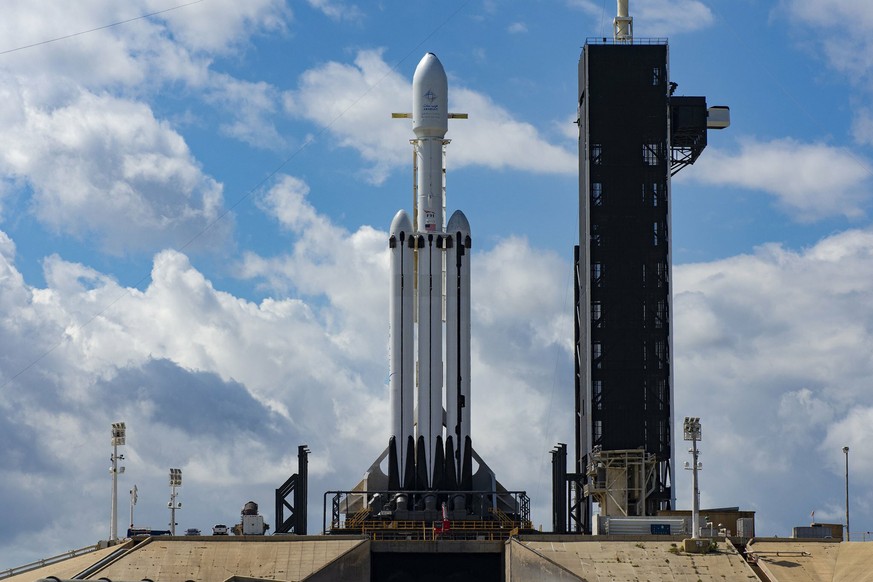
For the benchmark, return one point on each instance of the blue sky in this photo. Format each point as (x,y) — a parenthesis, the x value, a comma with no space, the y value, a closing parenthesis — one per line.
(193,216)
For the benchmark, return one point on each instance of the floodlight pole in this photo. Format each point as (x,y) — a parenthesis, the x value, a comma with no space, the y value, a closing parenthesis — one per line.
(175,481)
(846,452)
(113,519)
(693,433)
(695,504)
(173,511)
(118,436)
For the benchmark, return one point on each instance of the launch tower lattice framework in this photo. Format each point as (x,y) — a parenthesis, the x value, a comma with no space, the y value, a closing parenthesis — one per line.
(633,136)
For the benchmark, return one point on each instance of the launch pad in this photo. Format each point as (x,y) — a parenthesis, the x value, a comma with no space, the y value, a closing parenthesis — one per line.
(389,515)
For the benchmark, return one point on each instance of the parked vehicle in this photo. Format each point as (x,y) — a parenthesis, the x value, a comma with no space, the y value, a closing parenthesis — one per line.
(219,530)
(146,531)
(192,531)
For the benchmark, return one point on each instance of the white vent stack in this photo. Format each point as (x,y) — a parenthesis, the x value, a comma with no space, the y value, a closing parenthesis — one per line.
(623,24)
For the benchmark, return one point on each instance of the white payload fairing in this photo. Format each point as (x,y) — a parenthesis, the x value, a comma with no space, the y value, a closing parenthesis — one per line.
(430,273)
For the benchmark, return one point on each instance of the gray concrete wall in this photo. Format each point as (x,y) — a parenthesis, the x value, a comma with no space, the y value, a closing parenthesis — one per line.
(525,565)
(353,566)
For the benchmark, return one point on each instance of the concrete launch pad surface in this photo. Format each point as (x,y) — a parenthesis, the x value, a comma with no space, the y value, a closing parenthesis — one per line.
(595,559)
(284,558)
(524,558)
(788,560)
(217,559)
(66,568)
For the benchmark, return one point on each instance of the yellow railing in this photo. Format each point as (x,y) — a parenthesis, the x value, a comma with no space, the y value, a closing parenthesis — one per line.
(357,520)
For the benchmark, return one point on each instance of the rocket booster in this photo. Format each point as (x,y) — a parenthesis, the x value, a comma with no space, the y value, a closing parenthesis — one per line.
(422,254)
(458,245)
(401,305)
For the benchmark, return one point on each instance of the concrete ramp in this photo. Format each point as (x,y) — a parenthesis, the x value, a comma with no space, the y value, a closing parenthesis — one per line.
(595,558)
(525,563)
(854,562)
(792,560)
(282,558)
(66,568)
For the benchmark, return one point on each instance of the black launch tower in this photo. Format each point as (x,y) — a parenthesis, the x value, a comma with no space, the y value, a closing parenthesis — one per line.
(634,134)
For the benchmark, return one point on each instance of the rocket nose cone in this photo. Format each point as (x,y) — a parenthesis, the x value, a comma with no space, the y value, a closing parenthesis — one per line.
(458,223)
(430,115)
(429,67)
(401,223)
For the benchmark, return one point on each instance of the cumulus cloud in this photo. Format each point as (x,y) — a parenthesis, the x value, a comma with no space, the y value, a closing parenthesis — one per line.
(337,10)
(809,181)
(326,262)
(846,49)
(353,102)
(828,12)
(771,352)
(657,18)
(219,386)
(862,126)
(520,145)
(219,26)
(105,167)
(767,345)
(239,383)
(522,315)
(171,45)
(99,162)
(253,104)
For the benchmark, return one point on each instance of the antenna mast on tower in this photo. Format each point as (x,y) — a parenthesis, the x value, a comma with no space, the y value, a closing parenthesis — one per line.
(623,24)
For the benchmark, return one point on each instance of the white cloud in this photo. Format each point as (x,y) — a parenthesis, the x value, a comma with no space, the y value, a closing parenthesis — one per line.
(240,383)
(771,351)
(337,10)
(327,262)
(287,202)
(517,28)
(217,385)
(99,162)
(105,167)
(852,431)
(353,102)
(522,363)
(829,13)
(767,345)
(252,105)
(493,138)
(801,410)
(841,32)
(655,18)
(862,126)
(810,181)
(172,45)
(219,26)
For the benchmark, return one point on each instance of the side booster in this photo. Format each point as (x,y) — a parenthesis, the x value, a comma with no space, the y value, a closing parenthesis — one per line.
(420,457)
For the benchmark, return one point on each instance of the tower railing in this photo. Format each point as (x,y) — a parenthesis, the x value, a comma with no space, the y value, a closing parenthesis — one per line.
(607,40)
